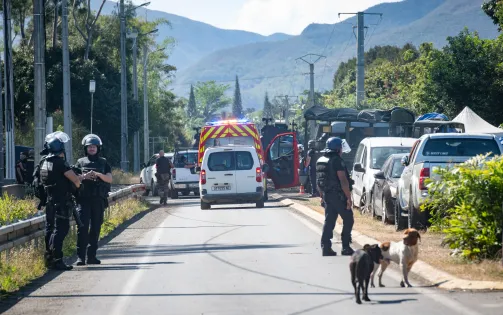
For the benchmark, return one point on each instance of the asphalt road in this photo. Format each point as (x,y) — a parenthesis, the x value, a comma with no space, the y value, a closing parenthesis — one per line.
(230,260)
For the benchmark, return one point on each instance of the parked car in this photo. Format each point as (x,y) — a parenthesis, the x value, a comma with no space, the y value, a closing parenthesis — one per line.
(232,174)
(370,157)
(385,188)
(147,174)
(432,151)
(185,179)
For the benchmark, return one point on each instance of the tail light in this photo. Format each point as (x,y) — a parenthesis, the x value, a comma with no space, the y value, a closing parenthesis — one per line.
(203,177)
(174,174)
(423,175)
(258,175)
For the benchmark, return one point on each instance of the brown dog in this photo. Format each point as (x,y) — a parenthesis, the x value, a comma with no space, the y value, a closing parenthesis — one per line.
(404,253)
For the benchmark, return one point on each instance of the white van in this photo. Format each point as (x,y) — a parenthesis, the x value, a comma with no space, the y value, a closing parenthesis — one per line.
(231,174)
(370,157)
(184,176)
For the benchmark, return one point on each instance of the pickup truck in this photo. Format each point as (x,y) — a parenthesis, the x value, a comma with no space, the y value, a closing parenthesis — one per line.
(433,151)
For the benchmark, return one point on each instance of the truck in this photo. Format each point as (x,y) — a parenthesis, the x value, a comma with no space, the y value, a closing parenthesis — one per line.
(280,155)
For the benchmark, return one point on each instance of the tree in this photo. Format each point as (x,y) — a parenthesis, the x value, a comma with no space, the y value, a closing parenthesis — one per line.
(268,110)
(494,9)
(210,98)
(237,106)
(191,106)
(89,22)
(20,10)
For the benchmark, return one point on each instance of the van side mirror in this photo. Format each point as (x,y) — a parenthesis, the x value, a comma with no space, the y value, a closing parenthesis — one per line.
(265,168)
(405,160)
(379,175)
(359,168)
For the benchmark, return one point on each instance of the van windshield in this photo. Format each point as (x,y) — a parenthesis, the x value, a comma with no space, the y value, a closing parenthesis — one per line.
(230,161)
(242,140)
(460,147)
(379,155)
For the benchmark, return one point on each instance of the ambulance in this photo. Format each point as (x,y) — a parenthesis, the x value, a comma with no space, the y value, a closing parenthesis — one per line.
(280,157)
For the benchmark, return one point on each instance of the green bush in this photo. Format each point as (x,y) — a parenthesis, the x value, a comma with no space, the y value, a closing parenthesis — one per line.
(466,204)
(12,209)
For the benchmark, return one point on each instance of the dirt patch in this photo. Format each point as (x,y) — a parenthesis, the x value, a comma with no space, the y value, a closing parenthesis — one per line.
(430,250)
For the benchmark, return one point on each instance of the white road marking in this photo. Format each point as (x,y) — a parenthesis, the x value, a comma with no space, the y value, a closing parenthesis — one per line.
(439,298)
(123,301)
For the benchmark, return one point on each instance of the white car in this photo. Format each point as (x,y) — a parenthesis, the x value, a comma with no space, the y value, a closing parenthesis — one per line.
(370,157)
(147,175)
(231,174)
(431,151)
(185,179)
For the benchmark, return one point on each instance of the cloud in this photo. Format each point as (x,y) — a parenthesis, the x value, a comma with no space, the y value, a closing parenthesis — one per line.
(292,16)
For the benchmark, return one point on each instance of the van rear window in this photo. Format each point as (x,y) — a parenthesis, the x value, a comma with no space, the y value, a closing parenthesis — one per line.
(460,147)
(230,161)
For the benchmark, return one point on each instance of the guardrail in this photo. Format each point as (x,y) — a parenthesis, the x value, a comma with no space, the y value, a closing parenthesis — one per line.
(22,232)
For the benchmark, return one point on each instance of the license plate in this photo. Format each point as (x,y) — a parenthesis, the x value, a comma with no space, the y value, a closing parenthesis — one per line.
(220,188)
(193,185)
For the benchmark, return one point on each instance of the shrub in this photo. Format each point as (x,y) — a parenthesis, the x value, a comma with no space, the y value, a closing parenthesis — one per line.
(466,204)
(12,209)
(121,177)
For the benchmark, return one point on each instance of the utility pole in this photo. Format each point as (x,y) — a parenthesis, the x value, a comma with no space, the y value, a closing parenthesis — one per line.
(2,148)
(9,92)
(124,120)
(146,142)
(286,106)
(67,99)
(136,136)
(310,130)
(39,84)
(360,64)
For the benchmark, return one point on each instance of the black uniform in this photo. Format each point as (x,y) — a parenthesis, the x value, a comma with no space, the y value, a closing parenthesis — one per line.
(312,171)
(334,199)
(93,200)
(59,204)
(163,174)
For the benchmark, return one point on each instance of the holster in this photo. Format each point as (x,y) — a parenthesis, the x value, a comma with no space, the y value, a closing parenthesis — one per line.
(62,209)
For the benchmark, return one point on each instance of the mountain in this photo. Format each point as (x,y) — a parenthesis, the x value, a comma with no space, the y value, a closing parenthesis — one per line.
(272,66)
(193,39)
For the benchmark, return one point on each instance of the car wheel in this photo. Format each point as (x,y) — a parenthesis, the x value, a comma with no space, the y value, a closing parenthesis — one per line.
(174,194)
(363,203)
(371,205)
(413,214)
(384,216)
(155,191)
(260,203)
(205,205)
(400,221)
(266,195)
(147,191)
(196,193)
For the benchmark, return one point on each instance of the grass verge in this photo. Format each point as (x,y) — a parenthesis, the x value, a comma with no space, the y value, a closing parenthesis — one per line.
(120,177)
(430,250)
(26,263)
(12,209)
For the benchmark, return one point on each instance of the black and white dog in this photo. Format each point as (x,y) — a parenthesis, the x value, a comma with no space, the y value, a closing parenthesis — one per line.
(361,267)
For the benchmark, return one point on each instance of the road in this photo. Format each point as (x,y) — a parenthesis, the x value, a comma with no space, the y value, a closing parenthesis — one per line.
(230,260)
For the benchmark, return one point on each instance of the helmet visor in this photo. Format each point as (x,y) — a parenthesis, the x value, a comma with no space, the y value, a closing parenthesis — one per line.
(345,146)
(61,136)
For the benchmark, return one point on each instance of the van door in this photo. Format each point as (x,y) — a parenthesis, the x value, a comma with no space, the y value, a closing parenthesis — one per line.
(282,156)
(221,172)
(246,173)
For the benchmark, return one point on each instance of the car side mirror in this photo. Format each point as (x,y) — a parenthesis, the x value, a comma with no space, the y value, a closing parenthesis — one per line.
(265,168)
(359,168)
(198,169)
(405,160)
(143,165)
(379,175)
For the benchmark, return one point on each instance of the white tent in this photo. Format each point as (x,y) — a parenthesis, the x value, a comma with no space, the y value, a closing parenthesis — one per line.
(475,124)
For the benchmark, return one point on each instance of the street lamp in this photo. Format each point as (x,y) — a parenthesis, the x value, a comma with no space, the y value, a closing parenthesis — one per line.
(92,89)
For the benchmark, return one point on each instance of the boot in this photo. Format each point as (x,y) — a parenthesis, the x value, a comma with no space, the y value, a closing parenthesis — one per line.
(60,265)
(93,261)
(347,251)
(81,262)
(327,251)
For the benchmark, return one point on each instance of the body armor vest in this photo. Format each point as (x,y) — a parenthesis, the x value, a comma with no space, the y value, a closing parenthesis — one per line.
(57,186)
(97,187)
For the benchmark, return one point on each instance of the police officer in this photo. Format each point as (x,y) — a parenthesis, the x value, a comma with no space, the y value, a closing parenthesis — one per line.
(311,164)
(163,174)
(335,185)
(59,181)
(96,176)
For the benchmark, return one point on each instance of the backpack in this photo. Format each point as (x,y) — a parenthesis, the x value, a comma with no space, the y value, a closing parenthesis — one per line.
(38,187)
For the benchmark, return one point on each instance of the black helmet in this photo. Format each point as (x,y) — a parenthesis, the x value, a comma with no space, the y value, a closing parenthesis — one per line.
(91,139)
(55,143)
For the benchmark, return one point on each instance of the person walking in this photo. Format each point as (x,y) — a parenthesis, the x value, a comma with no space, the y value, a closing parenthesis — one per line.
(163,174)
(96,176)
(335,187)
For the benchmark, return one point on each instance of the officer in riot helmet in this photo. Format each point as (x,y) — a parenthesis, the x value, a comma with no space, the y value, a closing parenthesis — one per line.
(96,176)
(335,186)
(58,181)
(311,164)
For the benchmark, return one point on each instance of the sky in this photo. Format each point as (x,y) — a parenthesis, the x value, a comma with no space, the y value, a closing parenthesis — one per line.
(262,16)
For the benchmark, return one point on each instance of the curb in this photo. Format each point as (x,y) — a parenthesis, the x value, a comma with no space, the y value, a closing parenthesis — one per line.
(438,278)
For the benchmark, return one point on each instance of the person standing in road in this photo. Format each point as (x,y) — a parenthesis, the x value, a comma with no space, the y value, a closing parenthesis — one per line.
(311,163)
(96,176)
(58,179)
(335,186)
(163,174)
